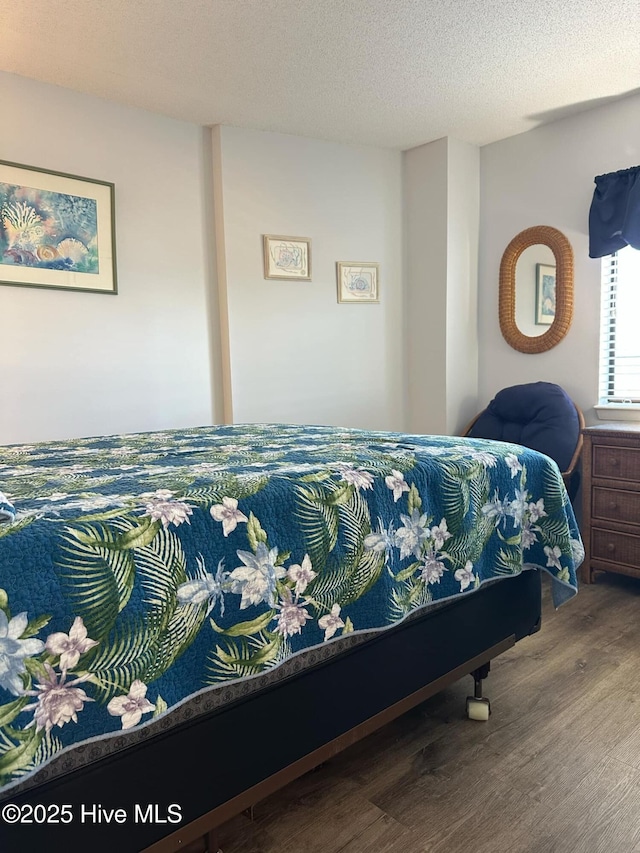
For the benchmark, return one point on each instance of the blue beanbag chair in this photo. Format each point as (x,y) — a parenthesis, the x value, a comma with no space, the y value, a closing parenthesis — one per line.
(539,415)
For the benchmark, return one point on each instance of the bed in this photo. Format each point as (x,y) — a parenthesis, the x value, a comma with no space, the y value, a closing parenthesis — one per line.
(190,619)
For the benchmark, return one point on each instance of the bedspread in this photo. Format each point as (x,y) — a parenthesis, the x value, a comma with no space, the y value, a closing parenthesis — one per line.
(142,569)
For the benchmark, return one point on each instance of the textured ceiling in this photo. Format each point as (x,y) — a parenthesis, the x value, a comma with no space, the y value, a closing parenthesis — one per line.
(393,73)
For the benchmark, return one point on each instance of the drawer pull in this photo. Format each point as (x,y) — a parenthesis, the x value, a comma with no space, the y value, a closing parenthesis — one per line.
(613,461)
(613,504)
(611,547)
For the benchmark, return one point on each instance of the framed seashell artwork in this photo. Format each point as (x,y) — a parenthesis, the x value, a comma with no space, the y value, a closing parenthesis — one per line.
(56,230)
(287,258)
(358,281)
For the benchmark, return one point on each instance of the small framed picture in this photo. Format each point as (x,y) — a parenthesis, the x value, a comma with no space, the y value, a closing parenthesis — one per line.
(287,257)
(545,294)
(56,230)
(358,281)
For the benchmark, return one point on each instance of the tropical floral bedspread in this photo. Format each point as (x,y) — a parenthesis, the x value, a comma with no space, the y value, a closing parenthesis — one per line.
(139,570)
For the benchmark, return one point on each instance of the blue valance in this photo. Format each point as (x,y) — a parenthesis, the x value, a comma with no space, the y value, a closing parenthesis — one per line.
(614,217)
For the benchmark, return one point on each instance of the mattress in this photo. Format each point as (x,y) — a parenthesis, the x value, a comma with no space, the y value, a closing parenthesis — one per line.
(143,575)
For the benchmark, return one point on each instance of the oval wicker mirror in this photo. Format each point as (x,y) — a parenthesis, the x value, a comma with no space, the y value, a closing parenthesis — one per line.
(563,254)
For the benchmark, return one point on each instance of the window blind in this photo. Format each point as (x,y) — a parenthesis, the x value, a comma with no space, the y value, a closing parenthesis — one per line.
(620,328)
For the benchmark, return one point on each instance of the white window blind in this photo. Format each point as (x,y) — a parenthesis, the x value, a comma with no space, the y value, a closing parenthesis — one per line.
(620,328)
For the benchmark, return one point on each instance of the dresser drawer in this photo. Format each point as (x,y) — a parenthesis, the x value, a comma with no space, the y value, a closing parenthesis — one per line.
(616,463)
(615,547)
(616,505)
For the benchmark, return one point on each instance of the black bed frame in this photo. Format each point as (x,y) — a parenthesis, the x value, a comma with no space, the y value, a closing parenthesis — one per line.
(224,762)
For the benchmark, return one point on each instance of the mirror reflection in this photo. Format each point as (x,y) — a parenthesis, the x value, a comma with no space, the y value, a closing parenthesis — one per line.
(535,290)
(526,289)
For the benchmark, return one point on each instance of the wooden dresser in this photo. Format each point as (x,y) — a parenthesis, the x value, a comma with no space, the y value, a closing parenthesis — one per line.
(611,499)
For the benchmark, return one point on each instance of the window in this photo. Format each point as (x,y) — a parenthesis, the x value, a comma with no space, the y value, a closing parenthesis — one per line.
(620,328)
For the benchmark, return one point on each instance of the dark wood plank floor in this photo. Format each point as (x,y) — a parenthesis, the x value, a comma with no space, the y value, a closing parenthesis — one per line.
(555,770)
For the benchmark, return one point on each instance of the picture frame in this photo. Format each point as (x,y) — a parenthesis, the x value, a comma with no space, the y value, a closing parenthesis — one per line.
(545,294)
(358,281)
(287,258)
(56,230)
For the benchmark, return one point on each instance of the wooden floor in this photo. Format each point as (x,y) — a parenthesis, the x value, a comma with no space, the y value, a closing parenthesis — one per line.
(555,770)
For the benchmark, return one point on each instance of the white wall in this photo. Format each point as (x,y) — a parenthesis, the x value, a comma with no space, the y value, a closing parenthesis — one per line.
(425,223)
(82,363)
(545,177)
(441,188)
(296,355)
(463,213)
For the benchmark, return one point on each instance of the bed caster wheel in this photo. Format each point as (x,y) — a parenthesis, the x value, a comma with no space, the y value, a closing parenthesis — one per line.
(478,709)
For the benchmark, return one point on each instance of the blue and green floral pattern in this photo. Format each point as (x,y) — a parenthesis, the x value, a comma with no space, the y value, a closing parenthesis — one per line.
(142,569)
